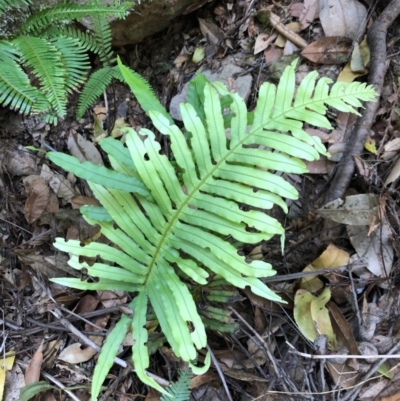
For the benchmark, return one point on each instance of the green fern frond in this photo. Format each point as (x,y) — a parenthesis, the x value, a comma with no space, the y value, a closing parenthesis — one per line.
(179,390)
(75,61)
(45,60)
(102,34)
(196,201)
(68,12)
(15,88)
(94,88)
(85,38)
(6,4)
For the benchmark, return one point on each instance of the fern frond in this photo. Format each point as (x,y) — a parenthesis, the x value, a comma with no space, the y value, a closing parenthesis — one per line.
(75,61)
(94,88)
(6,4)
(196,200)
(85,38)
(15,88)
(179,390)
(68,12)
(102,34)
(45,60)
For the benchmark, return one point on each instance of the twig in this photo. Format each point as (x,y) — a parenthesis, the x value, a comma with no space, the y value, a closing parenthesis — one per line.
(377,43)
(220,373)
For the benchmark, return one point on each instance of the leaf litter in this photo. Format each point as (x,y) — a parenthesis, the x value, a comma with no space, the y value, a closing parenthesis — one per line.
(340,282)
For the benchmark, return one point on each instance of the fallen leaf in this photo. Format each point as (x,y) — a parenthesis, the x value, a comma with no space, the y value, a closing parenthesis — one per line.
(83,149)
(211,32)
(376,249)
(6,364)
(370,145)
(394,173)
(331,50)
(263,41)
(356,210)
(329,259)
(309,13)
(32,373)
(343,18)
(37,200)
(391,149)
(80,200)
(272,54)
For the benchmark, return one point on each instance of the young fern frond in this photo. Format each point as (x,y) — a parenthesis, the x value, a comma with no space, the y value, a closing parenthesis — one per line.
(195,203)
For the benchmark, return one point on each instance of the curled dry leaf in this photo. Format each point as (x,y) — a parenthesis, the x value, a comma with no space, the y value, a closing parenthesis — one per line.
(262,42)
(331,50)
(343,18)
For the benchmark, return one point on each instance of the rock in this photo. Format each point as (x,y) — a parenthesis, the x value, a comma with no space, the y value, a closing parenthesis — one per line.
(148,18)
(242,85)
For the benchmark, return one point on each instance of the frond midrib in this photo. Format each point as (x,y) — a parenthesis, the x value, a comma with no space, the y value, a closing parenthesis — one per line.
(196,189)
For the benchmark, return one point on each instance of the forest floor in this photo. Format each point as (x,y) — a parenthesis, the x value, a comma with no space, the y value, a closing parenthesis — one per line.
(352,302)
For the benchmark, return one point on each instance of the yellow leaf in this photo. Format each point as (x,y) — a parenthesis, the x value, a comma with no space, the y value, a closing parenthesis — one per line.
(329,259)
(302,314)
(321,318)
(5,364)
(370,145)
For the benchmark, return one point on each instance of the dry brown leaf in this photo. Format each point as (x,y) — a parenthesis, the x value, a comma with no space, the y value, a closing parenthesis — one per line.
(80,200)
(32,373)
(309,13)
(211,32)
(263,41)
(37,200)
(331,50)
(272,54)
(83,149)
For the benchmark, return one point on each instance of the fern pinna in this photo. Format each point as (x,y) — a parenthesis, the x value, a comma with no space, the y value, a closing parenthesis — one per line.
(168,216)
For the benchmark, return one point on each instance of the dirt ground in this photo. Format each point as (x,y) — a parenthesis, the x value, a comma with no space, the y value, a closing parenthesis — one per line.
(352,303)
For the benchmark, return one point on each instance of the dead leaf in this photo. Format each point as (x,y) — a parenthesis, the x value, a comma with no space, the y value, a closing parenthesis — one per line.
(343,18)
(37,200)
(263,41)
(272,54)
(331,50)
(211,32)
(58,183)
(391,149)
(32,373)
(356,210)
(376,249)
(83,149)
(394,173)
(80,200)
(309,13)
